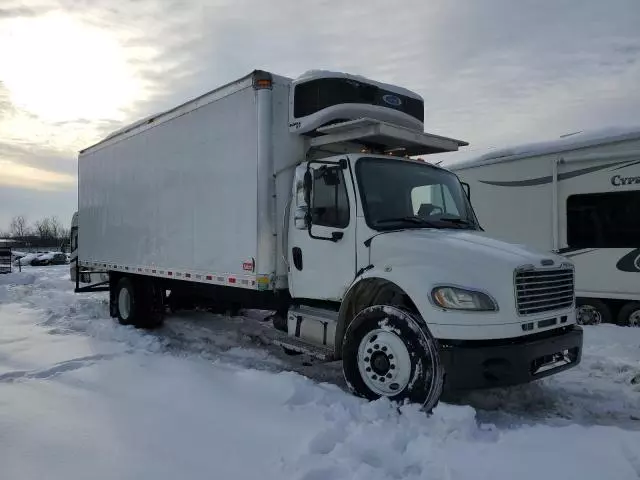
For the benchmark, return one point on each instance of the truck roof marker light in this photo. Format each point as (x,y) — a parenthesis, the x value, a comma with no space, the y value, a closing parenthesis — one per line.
(170,273)
(209,277)
(232,280)
(262,80)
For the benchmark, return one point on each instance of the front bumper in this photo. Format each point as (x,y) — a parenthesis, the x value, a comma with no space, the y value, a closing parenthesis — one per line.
(500,363)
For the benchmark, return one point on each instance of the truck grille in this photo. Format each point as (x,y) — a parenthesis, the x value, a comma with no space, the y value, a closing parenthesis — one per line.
(540,291)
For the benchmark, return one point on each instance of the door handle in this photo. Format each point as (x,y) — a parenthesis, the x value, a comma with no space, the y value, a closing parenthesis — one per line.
(335,236)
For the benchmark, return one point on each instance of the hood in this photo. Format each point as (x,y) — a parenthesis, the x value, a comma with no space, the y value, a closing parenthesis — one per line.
(448,247)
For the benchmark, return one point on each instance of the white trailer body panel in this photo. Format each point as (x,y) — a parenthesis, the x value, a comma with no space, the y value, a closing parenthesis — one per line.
(528,197)
(190,193)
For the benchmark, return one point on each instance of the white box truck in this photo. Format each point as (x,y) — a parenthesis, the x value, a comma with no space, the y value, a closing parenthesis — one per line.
(578,196)
(300,196)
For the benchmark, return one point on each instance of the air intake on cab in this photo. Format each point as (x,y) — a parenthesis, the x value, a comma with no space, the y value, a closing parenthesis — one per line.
(322,98)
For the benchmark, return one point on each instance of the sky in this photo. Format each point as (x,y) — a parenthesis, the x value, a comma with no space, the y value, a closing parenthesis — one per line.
(494,73)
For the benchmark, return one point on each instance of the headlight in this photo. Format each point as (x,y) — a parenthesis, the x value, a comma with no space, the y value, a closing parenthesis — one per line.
(455,298)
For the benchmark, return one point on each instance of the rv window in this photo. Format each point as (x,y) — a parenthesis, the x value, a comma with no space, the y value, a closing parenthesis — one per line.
(329,203)
(604,220)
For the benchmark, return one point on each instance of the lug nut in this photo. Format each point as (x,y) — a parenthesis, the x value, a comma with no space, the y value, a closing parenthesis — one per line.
(368,369)
(366,359)
(384,349)
(375,377)
(390,357)
(388,375)
(376,346)
(382,379)
(392,366)
(369,351)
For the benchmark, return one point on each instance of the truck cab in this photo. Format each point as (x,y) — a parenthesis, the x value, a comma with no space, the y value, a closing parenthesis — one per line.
(391,245)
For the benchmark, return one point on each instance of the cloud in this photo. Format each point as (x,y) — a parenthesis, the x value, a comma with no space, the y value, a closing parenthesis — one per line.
(36,204)
(18,175)
(493,73)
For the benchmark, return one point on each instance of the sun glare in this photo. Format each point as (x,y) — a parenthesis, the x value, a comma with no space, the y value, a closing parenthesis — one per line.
(17,175)
(58,69)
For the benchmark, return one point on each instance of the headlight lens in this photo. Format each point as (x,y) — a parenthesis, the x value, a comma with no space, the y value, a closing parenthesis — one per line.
(455,298)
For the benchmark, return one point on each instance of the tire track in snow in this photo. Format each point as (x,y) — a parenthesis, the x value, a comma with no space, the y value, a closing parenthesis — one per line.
(55,370)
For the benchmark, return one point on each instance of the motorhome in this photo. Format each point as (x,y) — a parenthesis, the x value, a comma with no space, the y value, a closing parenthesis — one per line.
(578,196)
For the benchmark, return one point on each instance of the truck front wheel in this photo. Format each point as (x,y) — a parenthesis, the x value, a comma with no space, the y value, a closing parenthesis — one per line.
(389,352)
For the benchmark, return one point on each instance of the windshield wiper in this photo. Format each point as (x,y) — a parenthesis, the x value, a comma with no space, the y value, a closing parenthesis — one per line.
(410,218)
(456,220)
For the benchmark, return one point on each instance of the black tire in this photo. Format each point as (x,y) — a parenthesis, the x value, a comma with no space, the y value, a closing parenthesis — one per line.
(629,315)
(425,380)
(597,312)
(145,303)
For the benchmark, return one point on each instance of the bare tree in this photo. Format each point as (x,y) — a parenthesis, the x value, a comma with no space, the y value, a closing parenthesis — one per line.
(65,233)
(43,228)
(18,227)
(55,227)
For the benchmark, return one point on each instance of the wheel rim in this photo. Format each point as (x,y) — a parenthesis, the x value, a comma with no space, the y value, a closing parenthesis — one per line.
(588,315)
(634,318)
(384,362)
(124,303)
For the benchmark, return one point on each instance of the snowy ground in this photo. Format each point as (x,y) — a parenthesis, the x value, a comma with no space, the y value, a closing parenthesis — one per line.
(82,397)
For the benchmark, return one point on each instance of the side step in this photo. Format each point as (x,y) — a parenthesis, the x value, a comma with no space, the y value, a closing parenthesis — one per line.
(281,339)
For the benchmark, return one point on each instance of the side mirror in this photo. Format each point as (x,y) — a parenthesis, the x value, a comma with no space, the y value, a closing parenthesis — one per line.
(467,190)
(300,218)
(308,182)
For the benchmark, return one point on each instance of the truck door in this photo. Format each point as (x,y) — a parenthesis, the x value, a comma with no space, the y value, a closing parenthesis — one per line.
(322,236)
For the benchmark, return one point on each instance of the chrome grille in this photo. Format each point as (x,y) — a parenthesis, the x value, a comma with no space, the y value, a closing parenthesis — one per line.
(540,291)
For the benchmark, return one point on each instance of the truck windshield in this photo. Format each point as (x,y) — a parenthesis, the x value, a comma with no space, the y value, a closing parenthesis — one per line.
(406,194)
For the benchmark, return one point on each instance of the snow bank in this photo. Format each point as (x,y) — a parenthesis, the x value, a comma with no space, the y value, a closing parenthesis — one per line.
(82,397)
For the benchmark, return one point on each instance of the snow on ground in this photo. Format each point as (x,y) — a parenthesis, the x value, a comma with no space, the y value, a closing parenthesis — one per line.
(83,397)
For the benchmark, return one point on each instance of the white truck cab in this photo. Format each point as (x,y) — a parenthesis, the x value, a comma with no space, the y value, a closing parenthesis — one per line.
(365,254)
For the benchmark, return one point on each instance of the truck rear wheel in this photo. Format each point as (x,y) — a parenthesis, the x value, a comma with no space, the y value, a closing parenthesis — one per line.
(389,352)
(629,315)
(139,303)
(126,302)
